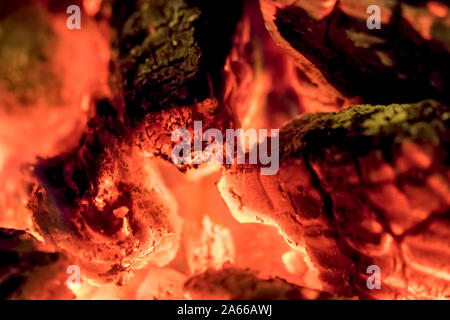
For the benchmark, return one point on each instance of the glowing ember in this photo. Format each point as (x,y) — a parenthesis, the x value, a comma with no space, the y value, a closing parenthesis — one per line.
(213,247)
(438,9)
(92,6)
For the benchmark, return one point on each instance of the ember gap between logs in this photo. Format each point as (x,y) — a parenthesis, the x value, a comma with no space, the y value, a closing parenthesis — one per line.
(134,136)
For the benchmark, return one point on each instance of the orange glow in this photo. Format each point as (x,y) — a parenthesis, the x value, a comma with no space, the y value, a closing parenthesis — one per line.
(210,247)
(254,77)
(92,6)
(438,9)
(80,61)
(142,228)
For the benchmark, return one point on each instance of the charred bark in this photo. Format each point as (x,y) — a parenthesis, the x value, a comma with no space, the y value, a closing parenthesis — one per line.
(164,51)
(369,185)
(243,284)
(28,272)
(404,61)
(104,194)
(104,205)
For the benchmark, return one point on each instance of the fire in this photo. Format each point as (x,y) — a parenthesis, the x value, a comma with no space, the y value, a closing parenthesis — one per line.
(92,6)
(264,86)
(438,9)
(45,125)
(253,84)
(211,248)
(94,182)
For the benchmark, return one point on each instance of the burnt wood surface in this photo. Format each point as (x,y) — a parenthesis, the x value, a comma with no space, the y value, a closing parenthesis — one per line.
(369,185)
(28,272)
(170,52)
(404,61)
(245,284)
(166,55)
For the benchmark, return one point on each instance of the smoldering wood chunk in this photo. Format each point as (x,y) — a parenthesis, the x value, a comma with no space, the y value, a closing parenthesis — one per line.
(104,204)
(403,61)
(28,272)
(369,185)
(154,133)
(164,51)
(232,283)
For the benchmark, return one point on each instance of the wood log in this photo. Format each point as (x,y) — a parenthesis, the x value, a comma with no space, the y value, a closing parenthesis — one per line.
(232,283)
(404,61)
(164,51)
(29,272)
(102,203)
(369,185)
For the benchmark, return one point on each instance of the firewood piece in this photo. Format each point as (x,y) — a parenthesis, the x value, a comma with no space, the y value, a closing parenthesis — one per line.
(49,78)
(231,283)
(402,62)
(369,185)
(105,205)
(164,51)
(28,272)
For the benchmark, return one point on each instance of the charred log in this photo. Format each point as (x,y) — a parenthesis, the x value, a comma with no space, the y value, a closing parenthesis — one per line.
(369,185)
(402,62)
(154,134)
(105,193)
(164,51)
(28,272)
(105,205)
(238,284)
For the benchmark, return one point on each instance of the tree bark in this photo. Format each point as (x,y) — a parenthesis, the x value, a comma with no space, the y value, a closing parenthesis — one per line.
(404,61)
(369,185)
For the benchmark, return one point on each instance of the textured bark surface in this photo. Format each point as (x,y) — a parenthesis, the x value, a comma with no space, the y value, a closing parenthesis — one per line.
(28,272)
(105,204)
(102,202)
(239,284)
(404,61)
(369,185)
(154,134)
(164,51)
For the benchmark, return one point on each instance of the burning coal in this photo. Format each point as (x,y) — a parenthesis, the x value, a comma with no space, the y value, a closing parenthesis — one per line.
(214,152)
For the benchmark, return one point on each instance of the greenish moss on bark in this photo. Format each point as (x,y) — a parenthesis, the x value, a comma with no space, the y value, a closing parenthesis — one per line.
(156,52)
(364,127)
